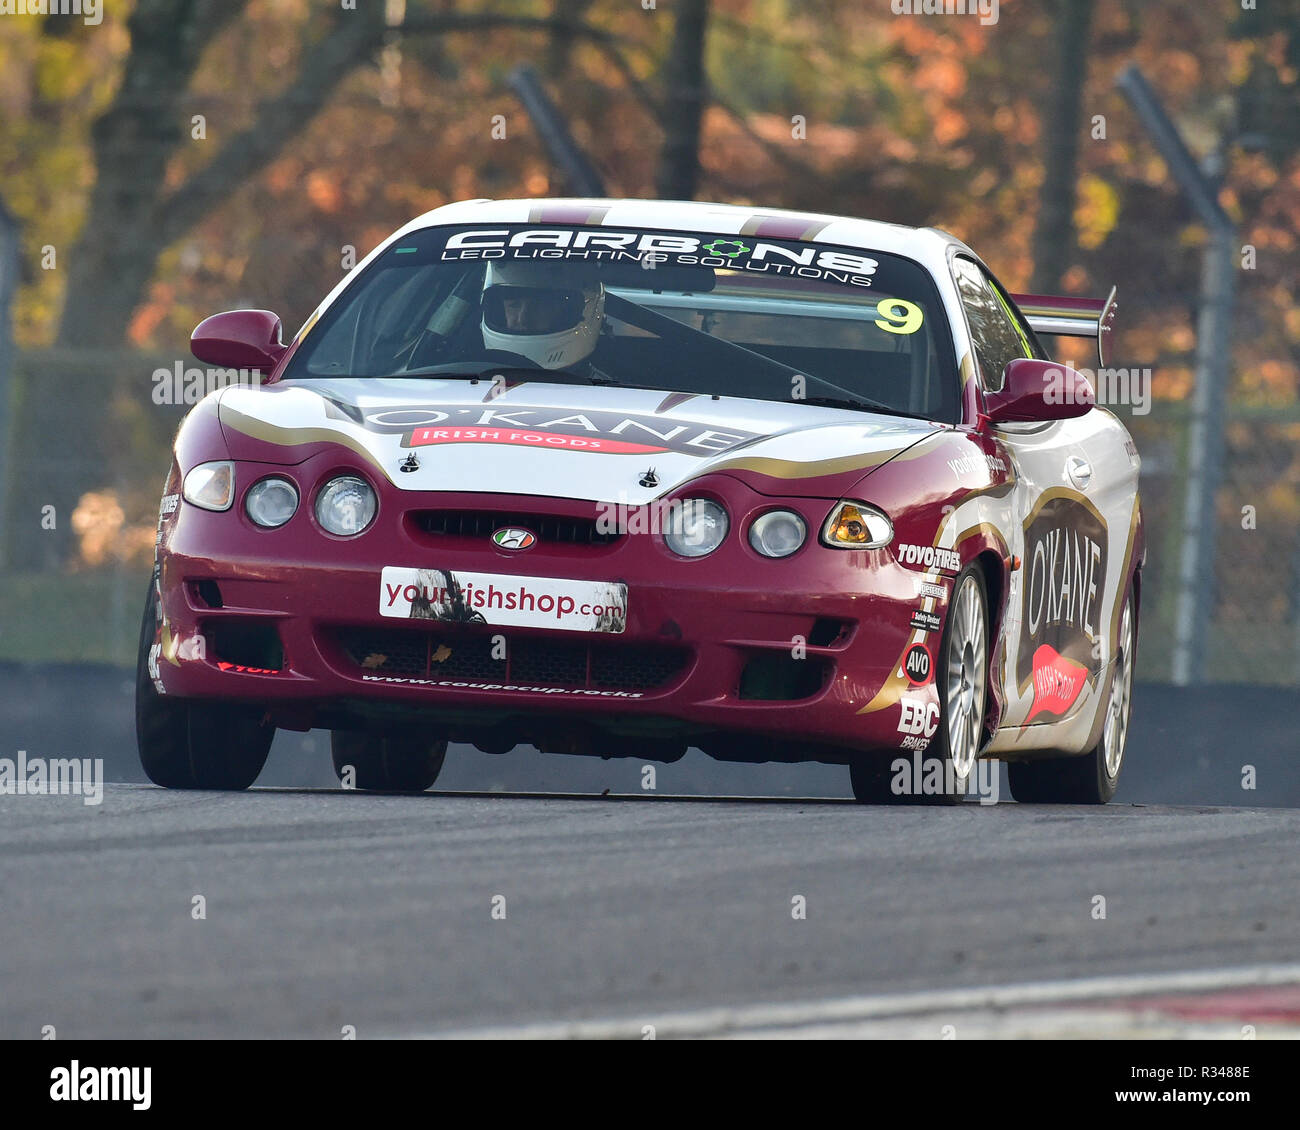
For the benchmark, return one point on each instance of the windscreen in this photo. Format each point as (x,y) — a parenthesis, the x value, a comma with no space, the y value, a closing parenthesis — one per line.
(723,315)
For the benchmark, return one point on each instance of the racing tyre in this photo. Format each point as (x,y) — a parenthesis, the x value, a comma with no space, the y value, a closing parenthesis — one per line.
(962,677)
(1092,777)
(394,763)
(194,745)
(870,775)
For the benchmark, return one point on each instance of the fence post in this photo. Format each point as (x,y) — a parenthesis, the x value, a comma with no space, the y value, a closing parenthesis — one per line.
(1209,401)
(8,286)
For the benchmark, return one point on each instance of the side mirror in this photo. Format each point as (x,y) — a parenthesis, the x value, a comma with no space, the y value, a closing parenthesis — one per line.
(1034,390)
(239,339)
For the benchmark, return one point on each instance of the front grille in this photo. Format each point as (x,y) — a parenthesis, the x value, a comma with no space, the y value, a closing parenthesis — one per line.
(526,659)
(623,668)
(551,529)
(553,664)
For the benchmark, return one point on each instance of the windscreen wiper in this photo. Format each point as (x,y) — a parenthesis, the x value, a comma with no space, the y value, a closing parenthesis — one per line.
(859,402)
(455,370)
(559,376)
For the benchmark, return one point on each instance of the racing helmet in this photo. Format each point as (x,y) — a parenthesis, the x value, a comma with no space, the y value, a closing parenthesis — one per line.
(544,311)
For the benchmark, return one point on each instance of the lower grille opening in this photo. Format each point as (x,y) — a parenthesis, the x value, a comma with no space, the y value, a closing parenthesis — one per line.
(616,668)
(518,659)
(826,632)
(553,664)
(245,643)
(209,592)
(779,677)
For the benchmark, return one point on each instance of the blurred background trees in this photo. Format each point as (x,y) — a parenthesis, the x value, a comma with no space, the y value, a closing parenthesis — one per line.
(185,154)
(188,156)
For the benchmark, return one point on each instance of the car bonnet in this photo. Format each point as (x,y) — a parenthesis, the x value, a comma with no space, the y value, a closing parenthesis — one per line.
(555,440)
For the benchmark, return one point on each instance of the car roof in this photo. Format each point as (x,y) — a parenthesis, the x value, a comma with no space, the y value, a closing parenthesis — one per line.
(929,246)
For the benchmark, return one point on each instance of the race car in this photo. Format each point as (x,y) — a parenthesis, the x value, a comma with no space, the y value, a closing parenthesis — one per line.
(624,478)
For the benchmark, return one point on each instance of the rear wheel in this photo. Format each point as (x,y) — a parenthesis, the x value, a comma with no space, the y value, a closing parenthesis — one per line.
(962,679)
(194,745)
(1092,777)
(397,763)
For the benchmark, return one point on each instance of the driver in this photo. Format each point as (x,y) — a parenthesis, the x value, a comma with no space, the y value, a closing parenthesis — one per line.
(543,311)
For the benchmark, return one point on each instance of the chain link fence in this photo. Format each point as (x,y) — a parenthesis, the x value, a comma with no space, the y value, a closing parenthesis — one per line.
(1254,628)
(84,467)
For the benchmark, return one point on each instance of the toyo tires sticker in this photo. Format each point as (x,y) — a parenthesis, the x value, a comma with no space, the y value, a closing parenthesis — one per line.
(929,557)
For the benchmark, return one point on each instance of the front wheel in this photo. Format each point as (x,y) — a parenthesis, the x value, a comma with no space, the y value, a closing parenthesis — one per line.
(194,745)
(962,679)
(1092,777)
(396,763)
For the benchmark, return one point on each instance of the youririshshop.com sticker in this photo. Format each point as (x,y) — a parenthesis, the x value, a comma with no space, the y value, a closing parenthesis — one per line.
(496,598)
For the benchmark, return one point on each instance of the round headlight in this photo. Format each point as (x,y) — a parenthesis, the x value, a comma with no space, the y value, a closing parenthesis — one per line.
(346,505)
(778,533)
(695,527)
(211,486)
(272,502)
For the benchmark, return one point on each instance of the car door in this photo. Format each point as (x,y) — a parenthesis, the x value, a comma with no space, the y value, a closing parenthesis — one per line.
(1048,662)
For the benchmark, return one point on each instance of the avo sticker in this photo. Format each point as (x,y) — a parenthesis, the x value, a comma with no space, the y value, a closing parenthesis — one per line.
(918,666)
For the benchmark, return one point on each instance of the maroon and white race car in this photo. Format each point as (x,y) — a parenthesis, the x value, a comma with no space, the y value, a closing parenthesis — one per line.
(628,477)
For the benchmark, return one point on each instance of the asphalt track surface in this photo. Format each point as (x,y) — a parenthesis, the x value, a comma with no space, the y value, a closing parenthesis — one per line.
(326,909)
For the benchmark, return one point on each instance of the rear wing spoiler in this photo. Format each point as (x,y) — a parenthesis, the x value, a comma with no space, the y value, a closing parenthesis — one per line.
(1073,317)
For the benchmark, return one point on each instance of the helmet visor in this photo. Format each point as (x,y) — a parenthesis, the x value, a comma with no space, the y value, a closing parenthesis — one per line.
(526,310)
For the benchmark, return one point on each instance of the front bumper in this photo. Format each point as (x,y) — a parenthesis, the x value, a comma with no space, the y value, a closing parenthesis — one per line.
(748,657)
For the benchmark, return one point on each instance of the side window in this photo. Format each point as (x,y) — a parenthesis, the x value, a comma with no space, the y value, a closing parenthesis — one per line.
(1029,340)
(997,337)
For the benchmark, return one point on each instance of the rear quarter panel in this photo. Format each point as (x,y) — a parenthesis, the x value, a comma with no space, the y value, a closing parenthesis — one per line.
(1078,547)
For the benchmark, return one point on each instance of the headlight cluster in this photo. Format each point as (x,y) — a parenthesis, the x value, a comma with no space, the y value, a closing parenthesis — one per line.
(346,505)
(697,526)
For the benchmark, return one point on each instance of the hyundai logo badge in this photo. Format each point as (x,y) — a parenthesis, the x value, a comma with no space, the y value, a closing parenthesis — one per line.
(512,537)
